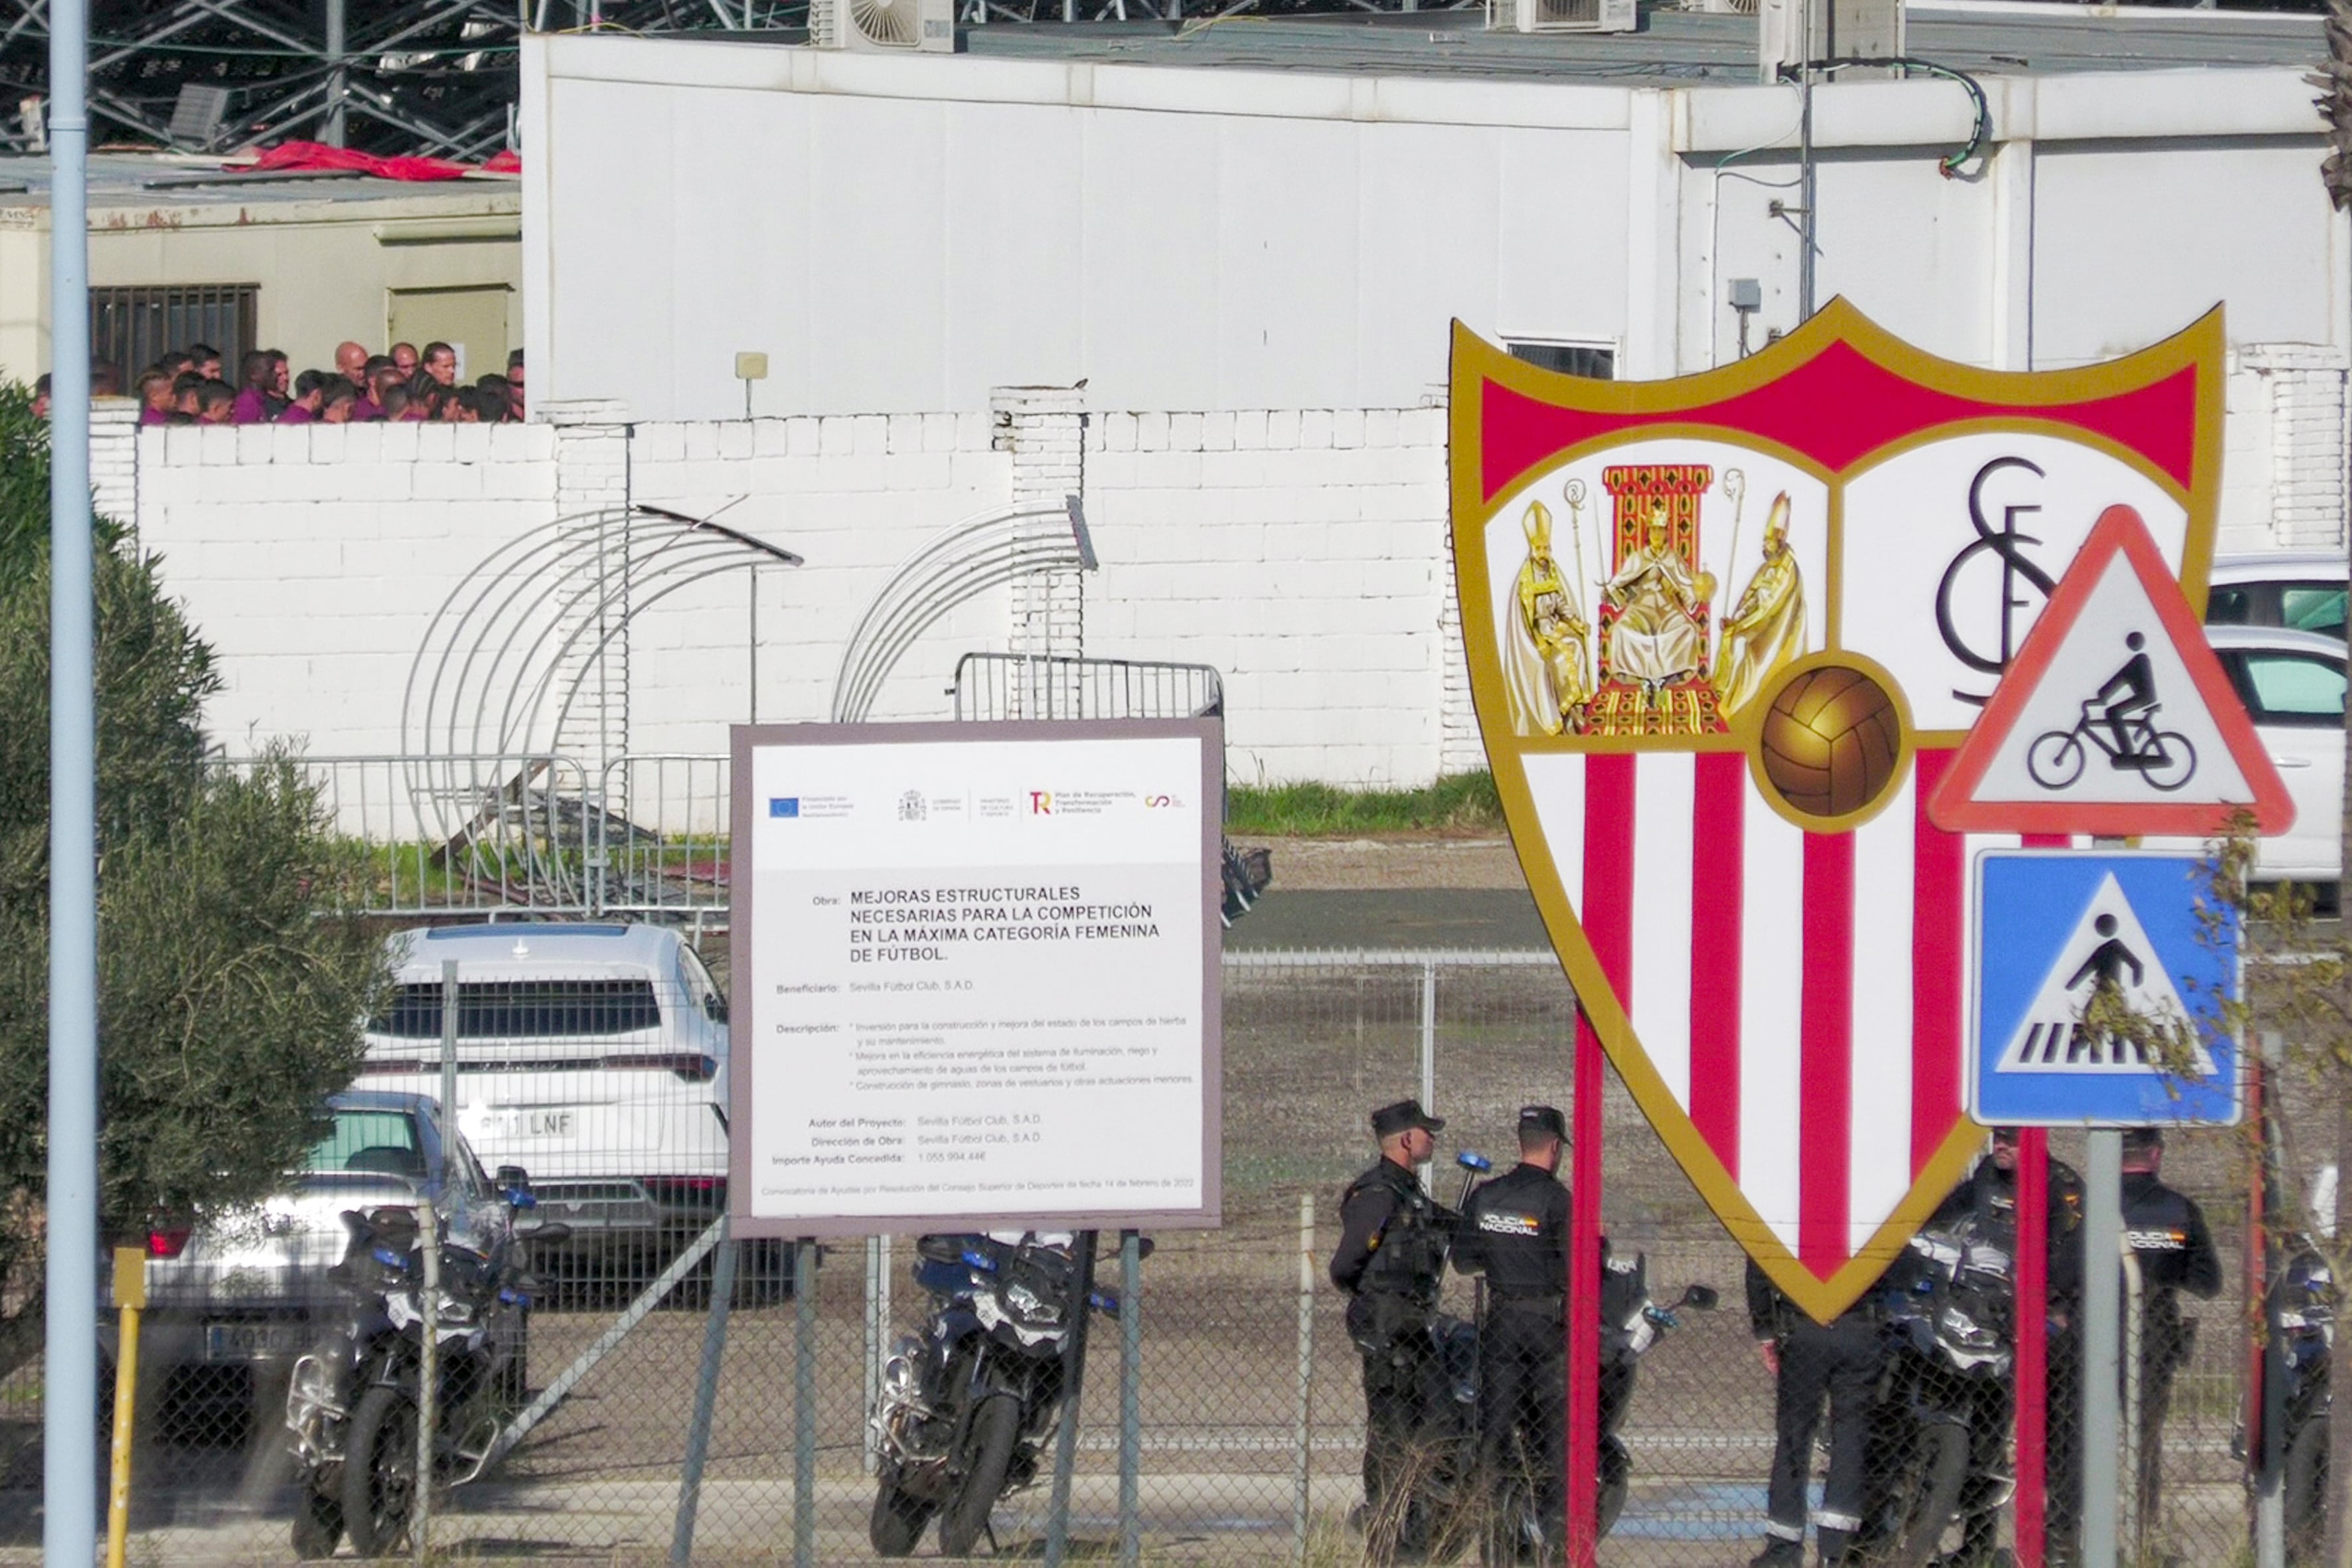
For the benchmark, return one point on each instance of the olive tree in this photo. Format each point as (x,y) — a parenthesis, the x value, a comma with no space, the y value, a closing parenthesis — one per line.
(231,983)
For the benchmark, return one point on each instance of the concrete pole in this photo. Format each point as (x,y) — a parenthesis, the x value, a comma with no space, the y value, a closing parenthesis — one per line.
(69,1406)
(1303,1412)
(1428,1057)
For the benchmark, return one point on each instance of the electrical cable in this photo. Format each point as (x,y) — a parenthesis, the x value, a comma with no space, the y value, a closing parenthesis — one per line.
(1951,163)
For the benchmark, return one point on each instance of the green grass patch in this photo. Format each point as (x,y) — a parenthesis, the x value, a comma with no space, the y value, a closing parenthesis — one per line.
(1460,803)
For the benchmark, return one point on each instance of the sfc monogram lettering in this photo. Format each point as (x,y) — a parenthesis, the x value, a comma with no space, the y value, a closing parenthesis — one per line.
(1725,632)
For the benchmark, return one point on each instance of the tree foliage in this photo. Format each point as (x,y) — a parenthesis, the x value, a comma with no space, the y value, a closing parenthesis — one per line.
(230,991)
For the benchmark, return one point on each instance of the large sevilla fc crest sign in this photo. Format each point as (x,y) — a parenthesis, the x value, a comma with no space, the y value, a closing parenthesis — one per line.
(1725,632)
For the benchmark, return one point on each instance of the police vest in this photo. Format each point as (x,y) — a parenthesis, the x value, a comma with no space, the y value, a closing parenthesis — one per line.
(1410,1256)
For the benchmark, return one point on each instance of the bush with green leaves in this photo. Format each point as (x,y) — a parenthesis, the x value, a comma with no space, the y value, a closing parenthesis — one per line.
(231,987)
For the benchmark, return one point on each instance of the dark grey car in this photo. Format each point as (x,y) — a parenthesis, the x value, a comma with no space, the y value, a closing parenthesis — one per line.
(249,1291)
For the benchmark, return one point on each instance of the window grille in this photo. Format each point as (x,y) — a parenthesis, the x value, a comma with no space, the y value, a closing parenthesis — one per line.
(133,328)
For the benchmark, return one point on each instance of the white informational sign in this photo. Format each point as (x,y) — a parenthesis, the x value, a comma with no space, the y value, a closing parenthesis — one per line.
(975,976)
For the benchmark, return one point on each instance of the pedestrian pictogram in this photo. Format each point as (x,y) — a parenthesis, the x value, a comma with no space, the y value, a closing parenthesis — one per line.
(2115,718)
(2054,932)
(2109,953)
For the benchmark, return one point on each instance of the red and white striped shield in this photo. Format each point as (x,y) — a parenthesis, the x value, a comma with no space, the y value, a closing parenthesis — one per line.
(1725,632)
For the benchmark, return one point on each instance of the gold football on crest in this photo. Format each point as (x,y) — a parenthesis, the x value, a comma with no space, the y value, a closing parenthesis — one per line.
(1831,741)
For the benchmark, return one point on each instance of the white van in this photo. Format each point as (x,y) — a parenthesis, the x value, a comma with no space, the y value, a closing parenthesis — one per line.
(593,1056)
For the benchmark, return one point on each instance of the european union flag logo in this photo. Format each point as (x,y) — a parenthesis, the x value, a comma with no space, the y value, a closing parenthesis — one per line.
(783,805)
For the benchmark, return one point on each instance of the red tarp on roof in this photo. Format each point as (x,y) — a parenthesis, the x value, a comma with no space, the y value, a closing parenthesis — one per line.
(301,156)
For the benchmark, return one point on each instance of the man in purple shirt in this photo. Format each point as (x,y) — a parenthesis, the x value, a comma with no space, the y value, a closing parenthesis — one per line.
(254,372)
(155,400)
(308,388)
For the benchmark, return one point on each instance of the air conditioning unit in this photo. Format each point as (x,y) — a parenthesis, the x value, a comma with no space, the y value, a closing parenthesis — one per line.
(926,26)
(1560,16)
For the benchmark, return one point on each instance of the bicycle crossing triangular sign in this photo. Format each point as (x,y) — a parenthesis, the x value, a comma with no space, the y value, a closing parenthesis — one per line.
(2115,718)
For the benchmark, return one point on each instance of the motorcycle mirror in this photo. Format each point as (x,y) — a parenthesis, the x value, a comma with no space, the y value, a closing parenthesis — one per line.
(549,1231)
(1143,1247)
(1702,1297)
(1471,1159)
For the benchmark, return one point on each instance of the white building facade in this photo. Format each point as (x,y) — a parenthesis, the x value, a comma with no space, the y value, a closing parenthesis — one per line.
(1248,278)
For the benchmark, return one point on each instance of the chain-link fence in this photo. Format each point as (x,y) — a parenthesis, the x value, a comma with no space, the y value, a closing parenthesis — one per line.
(1234,1435)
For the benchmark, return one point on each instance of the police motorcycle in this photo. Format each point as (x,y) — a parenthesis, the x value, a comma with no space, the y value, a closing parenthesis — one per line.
(1940,1422)
(352,1403)
(2306,1329)
(966,1408)
(1631,1323)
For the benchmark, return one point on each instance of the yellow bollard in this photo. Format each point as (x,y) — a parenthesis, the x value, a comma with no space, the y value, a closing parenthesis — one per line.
(131,1299)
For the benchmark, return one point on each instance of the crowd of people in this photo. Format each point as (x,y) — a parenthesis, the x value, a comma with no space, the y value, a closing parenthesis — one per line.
(404,386)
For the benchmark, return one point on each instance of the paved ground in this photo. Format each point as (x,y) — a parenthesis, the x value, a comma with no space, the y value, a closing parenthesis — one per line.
(1410,894)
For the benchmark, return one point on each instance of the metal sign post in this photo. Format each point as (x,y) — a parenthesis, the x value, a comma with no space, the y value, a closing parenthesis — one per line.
(1584,1304)
(69,1411)
(2103,1241)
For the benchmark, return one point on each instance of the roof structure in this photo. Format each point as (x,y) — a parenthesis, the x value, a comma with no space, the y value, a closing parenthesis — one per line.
(1672,46)
(172,189)
(438,76)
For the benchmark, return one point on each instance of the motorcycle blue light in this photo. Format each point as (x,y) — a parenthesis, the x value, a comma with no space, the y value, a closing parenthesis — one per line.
(389,1259)
(980,1261)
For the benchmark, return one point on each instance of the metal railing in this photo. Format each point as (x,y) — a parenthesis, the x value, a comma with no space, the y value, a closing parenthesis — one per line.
(1030,686)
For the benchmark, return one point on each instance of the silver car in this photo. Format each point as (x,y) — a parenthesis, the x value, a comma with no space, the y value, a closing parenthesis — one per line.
(2297,591)
(2293,684)
(248,1289)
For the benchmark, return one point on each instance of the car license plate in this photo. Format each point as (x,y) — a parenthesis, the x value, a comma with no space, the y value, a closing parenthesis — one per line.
(530,1125)
(252,1342)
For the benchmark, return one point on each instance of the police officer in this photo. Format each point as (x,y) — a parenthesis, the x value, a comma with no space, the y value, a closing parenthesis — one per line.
(1988,1196)
(2165,1231)
(1809,1361)
(1515,1230)
(1389,1259)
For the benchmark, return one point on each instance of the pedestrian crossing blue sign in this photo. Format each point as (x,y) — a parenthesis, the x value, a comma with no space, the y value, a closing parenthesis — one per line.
(2052,929)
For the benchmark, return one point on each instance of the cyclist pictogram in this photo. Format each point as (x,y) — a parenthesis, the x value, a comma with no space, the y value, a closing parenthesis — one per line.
(2116,718)
(2120,723)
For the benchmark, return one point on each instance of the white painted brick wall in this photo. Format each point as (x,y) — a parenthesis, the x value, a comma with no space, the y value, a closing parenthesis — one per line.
(1043,430)
(1313,577)
(2286,449)
(114,458)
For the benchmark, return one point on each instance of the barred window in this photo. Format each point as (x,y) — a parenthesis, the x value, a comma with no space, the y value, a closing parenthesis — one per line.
(133,328)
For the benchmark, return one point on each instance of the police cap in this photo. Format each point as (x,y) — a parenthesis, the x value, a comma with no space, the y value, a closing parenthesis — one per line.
(1544,1118)
(1403,1117)
(2141,1139)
